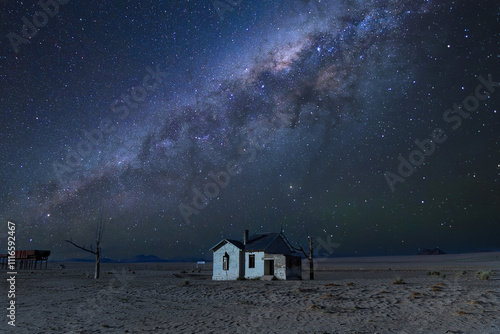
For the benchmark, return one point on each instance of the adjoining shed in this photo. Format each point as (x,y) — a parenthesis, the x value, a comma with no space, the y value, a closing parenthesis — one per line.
(262,255)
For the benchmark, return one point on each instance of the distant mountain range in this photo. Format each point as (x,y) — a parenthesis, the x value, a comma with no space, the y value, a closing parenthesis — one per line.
(136,259)
(144,258)
(435,251)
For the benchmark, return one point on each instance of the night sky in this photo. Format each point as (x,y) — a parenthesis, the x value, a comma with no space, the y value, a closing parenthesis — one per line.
(372,124)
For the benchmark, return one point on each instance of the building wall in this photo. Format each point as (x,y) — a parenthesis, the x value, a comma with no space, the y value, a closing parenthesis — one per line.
(258,271)
(235,270)
(279,264)
(285,266)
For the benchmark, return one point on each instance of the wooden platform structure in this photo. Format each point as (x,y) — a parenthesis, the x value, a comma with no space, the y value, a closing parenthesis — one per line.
(26,259)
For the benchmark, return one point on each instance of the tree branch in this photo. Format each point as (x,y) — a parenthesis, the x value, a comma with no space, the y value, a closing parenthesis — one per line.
(302,250)
(82,248)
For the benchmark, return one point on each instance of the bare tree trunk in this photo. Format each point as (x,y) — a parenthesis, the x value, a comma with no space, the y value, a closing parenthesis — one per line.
(97,252)
(97,264)
(309,256)
(311,260)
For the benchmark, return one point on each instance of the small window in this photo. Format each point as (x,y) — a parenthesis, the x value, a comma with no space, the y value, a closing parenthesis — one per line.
(251,261)
(225,262)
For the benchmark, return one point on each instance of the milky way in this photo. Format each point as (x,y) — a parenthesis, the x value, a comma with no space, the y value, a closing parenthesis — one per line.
(277,116)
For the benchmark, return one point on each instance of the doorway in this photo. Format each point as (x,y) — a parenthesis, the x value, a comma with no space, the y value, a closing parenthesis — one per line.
(268,267)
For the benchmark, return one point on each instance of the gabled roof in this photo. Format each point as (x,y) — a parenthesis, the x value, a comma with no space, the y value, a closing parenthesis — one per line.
(225,241)
(274,243)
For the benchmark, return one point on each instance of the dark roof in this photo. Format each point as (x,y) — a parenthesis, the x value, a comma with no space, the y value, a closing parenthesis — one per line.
(272,242)
(237,243)
(260,241)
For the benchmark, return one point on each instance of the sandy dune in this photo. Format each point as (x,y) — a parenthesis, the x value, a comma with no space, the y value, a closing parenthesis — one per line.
(348,296)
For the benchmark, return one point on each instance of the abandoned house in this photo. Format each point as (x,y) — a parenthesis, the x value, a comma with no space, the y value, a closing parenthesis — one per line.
(262,255)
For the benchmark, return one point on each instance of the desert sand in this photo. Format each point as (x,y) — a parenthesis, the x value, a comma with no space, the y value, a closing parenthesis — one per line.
(349,295)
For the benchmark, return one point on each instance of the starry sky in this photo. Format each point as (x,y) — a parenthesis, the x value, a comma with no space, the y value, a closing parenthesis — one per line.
(373,125)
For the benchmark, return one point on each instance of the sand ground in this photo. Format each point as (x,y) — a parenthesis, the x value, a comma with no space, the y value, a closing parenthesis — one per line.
(349,295)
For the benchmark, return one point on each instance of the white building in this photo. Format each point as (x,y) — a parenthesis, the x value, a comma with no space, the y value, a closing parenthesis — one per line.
(264,255)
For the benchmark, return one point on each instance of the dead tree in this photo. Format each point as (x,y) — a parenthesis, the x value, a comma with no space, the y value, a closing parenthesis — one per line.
(97,252)
(309,256)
